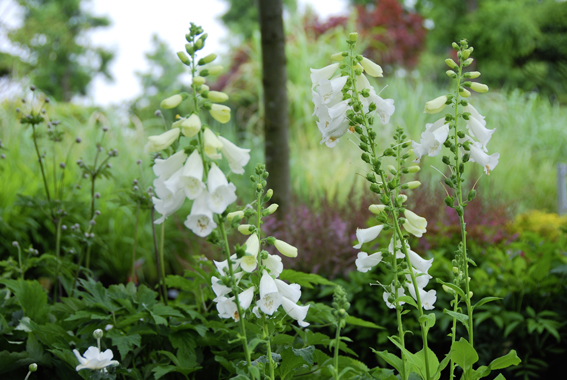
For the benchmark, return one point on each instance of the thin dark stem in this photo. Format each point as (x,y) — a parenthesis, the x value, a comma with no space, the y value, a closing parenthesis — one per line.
(162,262)
(157,255)
(41,164)
(135,244)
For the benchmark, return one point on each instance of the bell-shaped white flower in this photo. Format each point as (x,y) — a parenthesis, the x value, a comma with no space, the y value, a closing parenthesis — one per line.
(166,202)
(475,114)
(399,251)
(371,68)
(222,266)
(200,220)
(189,178)
(299,313)
(415,224)
(165,168)
(387,296)
(227,308)
(436,105)
(483,159)
(384,107)
(160,142)
(427,298)
(364,262)
(364,235)
(317,75)
(270,297)
(274,264)
(289,291)
(431,140)
(218,287)
(329,90)
(249,262)
(191,126)
(212,144)
(479,131)
(245,298)
(237,157)
(332,123)
(418,262)
(421,278)
(221,192)
(94,359)
(220,113)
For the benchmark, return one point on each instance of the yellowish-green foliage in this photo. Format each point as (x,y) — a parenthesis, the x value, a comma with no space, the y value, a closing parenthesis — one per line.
(545,224)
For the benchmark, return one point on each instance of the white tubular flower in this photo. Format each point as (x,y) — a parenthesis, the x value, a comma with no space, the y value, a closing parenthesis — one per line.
(474,113)
(227,308)
(418,262)
(249,262)
(274,264)
(384,107)
(295,311)
(421,278)
(200,220)
(479,131)
(165,168)
(270,297)
(188,179)
(167,202)
(317,75)
(256,312)
(332,123)
(245,298)
(371,68)
(289,291)
(431,140)
(212,143)
(399,252)
(220,113)
(160,142)
(328,90)
(436,105)
(219,289)
(364,262)
(387,295)
(94,359)
(427,298)
(237,157)
(222,266)
(483,159)
(285,249)
(221,193)
(191,126)
(367,234)
(415,224)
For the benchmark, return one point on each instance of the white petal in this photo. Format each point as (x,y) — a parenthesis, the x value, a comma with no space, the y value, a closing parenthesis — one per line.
(364,262)
(386,296)
(290,291)
(165,168)
(267,285)
(245,298)
(274,264)
(219,289)
(295,311)
(200,220)
(419,262)
(483,159)
(237,157)
(367,234)
(480,131)
(325,73)
(252,245)
(270,303)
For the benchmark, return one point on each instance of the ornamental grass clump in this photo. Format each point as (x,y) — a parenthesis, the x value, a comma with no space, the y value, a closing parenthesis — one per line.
(345,102)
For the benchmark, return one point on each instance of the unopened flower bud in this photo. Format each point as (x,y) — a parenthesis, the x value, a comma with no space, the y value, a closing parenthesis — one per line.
(455,270)
(269,195)
(466,53)
(451,63)
(455,46)
(451,74)
(436,105)
(413,169)
(245,229)
(353,37)
(272,208)
(97,334)
(337,57)
(376,209)
(207,59)
(235,214)
(448,290)
(198,80)
(464,92)
(468,62)
(402,198)
(470,295)
(214,70)
(183,57)
(171,102)
(392,169)
(285,249)
(472,74)
(220,113)
(217,96)
(32,367)
(411,185)
(479,87)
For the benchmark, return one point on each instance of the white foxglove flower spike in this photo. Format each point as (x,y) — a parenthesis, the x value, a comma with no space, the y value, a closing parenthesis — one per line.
(415,224)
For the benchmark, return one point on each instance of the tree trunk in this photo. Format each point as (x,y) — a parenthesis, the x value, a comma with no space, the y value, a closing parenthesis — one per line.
(274,78)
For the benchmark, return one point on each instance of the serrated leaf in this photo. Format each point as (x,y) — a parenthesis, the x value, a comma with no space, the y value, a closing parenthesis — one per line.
(32,297)
(125,343)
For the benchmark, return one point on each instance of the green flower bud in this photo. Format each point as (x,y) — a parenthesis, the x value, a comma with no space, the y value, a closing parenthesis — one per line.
(285,249)
(472,195)
(338,57)
(198,80)
(413,169)
(246,229)
(204,88)
(449,201)
(198,44)
(448,290)
(411,185)
(272,208)
(375,188)
(464,92)
(376,209)
(451,63)
(370,178)
(467,84)
(455,46)
(402,198)
(468,62)
(271,240)
(365,157)
(472,74)
(389,152)
(97,334)
(466,157)
(208,59)
(353,37)
(466,53)
(214,70)
(479,87)
(189,49)
(392,169)
(451,74)
(173,101)
(269,195)
(32,367)
(183,57)
(235,214)
(217,96)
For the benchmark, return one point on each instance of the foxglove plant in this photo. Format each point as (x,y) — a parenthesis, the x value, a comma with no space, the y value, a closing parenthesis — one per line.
(346,102)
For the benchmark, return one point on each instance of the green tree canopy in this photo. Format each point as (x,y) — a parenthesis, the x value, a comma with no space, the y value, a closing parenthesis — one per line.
(57,56)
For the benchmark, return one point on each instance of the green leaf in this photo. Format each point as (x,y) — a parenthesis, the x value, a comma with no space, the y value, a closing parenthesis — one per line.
(416,364)
(290,362)
(433,362)
(486,300)
(9,361)
(444,363)
(463,354)
(408,300)
(389,358)
(463,318)
(125,343)
(510,359)
(306,353)
(306,280)
(354,321)
(32,297)
(458,290)
(428,320)
(162,370)
(500,377)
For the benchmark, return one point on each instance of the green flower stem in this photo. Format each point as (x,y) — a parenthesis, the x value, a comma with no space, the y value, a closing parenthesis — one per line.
(21,270)
(234,289)
(336,356)
(58,255)
(40,164)
(135,243)
(453,334)
(162,263)
(28,375)
(157,254)
(268,339)
(462,208)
